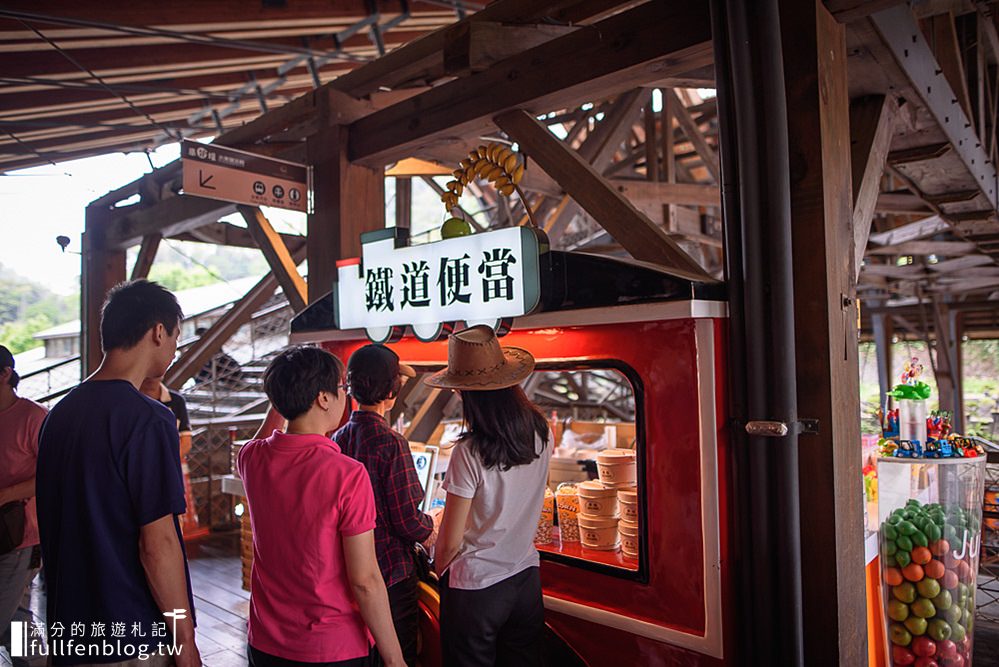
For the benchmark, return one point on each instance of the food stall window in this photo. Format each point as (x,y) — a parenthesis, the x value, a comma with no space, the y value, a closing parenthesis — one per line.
(594,514)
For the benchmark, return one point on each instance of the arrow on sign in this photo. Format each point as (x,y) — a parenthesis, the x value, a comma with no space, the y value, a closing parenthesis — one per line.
(203,182)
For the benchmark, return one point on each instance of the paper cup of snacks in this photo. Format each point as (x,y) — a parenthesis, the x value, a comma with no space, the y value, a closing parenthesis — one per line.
(616,468)
(629,538)
(595,500)
(598,533)
(547,520)
(627,502)
(567,502)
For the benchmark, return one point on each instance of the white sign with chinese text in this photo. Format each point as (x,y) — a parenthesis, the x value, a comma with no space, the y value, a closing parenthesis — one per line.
(479,278)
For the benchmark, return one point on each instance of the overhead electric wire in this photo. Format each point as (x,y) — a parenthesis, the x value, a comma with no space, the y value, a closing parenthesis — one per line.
(167,130)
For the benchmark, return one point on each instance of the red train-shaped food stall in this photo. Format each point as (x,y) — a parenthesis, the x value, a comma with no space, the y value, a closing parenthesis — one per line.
(620,346)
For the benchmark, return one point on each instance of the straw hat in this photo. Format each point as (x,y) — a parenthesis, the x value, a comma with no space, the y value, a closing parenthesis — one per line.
(476,362)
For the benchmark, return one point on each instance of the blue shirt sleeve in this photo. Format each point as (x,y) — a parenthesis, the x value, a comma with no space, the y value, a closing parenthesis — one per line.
(151,467)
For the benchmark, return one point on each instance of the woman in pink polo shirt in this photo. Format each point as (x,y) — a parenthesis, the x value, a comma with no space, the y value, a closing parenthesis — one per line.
(313,518)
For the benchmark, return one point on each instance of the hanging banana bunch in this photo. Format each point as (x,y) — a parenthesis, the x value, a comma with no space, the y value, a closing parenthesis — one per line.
(496,163)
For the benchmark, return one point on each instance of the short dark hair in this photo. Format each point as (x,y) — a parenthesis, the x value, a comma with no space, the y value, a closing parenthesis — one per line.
(132,309)
(501,425)
(373,374)
(295,377)
(14,380)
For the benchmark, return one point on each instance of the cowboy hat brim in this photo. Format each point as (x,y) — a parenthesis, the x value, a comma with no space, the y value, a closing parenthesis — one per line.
(519,363)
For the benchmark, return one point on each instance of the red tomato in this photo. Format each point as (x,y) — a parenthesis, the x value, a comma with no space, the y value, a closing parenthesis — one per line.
(923,646)
(901,655)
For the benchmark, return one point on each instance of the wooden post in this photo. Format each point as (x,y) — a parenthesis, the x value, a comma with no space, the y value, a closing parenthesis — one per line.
(669,158)
(348,200)
(101,269)
(832,536)
(955,327)
(882,326)
(651,149)
(403,202)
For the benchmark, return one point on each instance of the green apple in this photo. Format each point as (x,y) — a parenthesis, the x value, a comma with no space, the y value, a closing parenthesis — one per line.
(952,615)
(898,610)
(957,632)
(939,630)
(916,625)
(943,600)
(906,592)
(899,635)
(923,608)
(928,588)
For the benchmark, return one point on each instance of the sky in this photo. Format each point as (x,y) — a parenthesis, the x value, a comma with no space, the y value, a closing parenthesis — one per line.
(41,203)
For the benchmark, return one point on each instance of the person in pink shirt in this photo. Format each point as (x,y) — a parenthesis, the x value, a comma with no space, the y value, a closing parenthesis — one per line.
(316,593)
(20,421)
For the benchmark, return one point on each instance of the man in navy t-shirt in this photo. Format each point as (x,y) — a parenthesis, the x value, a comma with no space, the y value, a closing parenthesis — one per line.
(109,491)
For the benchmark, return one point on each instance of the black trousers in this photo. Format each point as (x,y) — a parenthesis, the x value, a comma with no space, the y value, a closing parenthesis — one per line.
(405,617)
(499,625)
(261,659)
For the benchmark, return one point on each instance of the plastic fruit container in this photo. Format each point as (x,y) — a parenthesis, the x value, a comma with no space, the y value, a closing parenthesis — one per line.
(596,500)
(616,468)
(598,533)
(930,519)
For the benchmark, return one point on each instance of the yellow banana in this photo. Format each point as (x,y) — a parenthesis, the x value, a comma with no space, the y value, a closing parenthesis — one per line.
(502,181)
(494,172)
(469,174)
(502,155)
(506,190)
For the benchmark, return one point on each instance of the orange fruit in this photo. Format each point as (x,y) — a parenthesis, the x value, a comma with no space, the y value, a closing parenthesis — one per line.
(940,547)
(893,576)
(934,569)
(913,572)
(921,555)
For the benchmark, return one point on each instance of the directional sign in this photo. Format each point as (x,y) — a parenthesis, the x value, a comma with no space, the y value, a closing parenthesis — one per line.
(231,175)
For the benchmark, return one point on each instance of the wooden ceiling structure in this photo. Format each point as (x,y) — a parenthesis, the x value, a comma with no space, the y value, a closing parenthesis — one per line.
(892,114)
(82,78)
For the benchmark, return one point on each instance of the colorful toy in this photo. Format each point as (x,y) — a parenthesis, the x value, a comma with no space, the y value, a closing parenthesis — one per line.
(910,449)
(911,387)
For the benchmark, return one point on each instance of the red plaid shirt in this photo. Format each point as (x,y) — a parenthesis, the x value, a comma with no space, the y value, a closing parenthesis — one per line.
(368,438)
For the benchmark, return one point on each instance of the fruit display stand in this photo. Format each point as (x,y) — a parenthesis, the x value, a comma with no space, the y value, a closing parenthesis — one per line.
(930,515)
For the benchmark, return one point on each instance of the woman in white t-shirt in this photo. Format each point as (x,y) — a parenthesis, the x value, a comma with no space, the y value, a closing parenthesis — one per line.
(491,607)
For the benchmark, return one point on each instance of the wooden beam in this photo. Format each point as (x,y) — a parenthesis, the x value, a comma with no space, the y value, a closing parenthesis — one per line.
(429,415)
(825,315)
(872,120)
(651,144)
(348,200)
(197,355)
(224,233)
(948,53)
(693,132)
(912,231)
(277,256)
(169,217)
(900,32)
(617,54)
(609,208)
(102,267)
(473,46)
(846,11)
(946,248)
(643,193)
(147,253)
(901,203)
